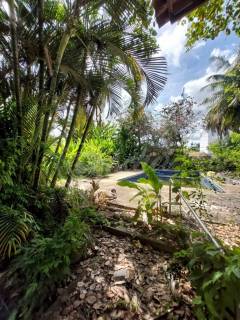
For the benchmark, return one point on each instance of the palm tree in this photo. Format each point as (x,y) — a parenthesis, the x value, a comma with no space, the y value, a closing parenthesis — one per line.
(113,40)
(224,112)
(121,60)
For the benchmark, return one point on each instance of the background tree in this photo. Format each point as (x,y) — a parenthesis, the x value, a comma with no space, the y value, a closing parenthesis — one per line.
(224,100)
(211,18)
(177,122)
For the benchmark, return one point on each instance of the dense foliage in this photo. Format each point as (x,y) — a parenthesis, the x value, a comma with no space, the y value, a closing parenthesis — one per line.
(226,154)
(178,121)
(154,138)
(45,262)
(69,64)
(211,18)
(215,276)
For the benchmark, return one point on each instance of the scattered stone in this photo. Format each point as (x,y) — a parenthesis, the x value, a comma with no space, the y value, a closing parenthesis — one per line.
(97,305)
(119,282)
(80,284)
(122,274)
(91,299)
(82,295)
(76,304)
(99,279)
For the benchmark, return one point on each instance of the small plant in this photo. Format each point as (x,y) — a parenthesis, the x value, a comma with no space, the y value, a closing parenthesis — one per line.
(150,202)
(216,278)
(92,217)
(199,203)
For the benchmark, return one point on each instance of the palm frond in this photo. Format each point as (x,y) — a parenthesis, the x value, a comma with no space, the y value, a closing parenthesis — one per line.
(15,227)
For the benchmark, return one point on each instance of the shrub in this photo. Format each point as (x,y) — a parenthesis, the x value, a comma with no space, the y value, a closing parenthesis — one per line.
(216,278)
(93,162)
(104,137)
(226,154)
(45,262)
(77,199)
(15,227)
(92,217)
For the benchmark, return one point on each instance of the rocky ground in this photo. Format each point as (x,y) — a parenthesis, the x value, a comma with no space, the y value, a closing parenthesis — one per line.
(122,280)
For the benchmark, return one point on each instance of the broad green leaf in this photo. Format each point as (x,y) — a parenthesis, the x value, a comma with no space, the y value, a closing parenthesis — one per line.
(197,300)
(152,176)
(129,184)
(144,181)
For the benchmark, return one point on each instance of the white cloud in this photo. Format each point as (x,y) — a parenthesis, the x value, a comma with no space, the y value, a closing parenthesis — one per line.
(199,44)
(171,40)
(175,98)
(216,52)
(193,87)
(227,53)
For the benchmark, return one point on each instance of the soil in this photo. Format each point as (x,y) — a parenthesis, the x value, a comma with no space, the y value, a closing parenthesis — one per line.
(123,280)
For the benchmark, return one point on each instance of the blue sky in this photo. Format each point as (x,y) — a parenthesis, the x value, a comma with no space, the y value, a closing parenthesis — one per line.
(190,70)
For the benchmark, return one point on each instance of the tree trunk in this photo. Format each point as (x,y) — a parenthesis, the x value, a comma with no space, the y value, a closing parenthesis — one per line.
(36,139)
(59,102)
(85,133)
(62,47)
(69,137)
(60,139)
(14,43)
(17,88)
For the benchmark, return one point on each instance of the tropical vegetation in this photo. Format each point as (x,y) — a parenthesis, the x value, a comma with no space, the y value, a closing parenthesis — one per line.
(76,80)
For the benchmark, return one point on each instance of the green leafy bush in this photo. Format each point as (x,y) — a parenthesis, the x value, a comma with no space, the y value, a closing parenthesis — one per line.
(15,227)
(216,278)
(78,199)
(226,154)
(104,137)
(92,216)
(45,262)
(93,161)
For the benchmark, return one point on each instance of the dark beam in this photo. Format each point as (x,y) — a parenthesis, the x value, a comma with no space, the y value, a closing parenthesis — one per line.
(173,10)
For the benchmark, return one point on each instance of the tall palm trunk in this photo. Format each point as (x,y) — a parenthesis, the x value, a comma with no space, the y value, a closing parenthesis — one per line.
(63,44)
(60,138)
(55,107)
(17,88)
(36,139)
(69,137)
(85,133)
(62,47)
(16,70)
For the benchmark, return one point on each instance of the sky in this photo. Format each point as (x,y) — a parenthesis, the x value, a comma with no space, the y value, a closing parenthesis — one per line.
(190,70)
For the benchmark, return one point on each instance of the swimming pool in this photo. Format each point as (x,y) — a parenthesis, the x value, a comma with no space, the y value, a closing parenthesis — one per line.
(166,174)
(163,174)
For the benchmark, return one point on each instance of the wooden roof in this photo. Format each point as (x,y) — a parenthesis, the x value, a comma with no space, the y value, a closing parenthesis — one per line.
(173,10)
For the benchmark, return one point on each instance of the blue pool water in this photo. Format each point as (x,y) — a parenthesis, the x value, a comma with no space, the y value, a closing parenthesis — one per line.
(166,174)
(163,174)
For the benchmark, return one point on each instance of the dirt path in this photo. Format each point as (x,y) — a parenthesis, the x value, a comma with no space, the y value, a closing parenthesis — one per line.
(225,206)
(123,280)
